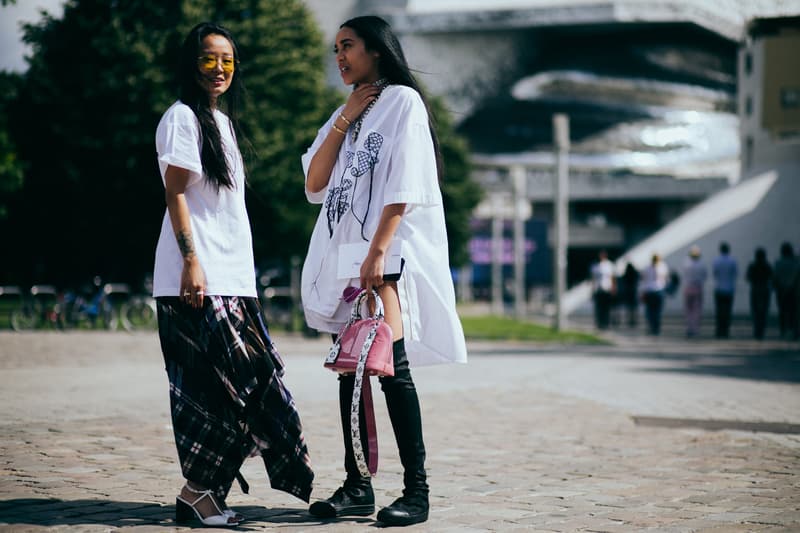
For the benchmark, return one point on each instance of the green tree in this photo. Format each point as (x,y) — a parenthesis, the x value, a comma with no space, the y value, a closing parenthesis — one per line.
(460,193)
(11,167)
(84,123)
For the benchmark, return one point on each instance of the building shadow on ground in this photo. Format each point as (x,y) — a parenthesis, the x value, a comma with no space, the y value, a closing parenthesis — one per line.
(779,363)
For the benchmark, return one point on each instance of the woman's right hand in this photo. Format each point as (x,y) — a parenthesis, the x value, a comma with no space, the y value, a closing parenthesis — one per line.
(358,101)
(193,282)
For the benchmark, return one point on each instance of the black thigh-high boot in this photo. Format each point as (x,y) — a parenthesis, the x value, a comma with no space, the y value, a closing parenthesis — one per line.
(404,411)
(355,496)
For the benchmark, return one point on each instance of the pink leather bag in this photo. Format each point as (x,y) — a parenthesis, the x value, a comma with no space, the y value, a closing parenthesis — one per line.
(363,347)
(370,336)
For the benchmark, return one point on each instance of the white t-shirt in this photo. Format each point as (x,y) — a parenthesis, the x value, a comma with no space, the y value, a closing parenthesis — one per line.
(603,276)
(392,162)
(220,227)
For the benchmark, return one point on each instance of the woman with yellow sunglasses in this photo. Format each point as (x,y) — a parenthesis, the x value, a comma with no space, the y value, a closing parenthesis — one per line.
(226,391)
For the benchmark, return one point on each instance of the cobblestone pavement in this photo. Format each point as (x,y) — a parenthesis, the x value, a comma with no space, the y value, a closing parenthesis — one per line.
(524,437)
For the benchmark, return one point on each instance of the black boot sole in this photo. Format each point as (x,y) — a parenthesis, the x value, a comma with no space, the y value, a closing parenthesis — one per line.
(325,509)
(390,520)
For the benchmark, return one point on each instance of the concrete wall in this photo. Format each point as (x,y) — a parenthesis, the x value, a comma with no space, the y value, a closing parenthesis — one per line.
(768,141)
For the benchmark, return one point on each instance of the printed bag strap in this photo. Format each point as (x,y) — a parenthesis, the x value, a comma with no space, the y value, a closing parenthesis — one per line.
(369,414)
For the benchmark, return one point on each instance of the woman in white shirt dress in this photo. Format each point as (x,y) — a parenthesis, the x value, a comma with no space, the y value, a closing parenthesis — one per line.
(374,167)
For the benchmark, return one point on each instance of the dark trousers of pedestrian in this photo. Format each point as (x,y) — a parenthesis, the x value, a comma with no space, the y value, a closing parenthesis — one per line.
(602,309)
(632,307)
(693,309)
(723,305)
(759,306)
(787,312)
(653,305)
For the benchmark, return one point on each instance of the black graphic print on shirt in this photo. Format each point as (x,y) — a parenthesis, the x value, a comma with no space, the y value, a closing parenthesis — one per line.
(340,197)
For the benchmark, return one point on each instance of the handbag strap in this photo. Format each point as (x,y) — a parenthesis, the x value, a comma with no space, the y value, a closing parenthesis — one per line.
(372,431)
(355,430)
(355,314)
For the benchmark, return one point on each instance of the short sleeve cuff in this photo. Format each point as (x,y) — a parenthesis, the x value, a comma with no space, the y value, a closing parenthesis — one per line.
(412,198)
(176,161)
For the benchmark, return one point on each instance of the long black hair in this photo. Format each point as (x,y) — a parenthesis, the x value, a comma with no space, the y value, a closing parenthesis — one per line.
(392,65)
(212,155)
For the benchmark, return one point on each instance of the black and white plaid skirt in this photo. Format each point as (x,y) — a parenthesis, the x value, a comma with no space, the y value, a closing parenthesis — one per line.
(227,397)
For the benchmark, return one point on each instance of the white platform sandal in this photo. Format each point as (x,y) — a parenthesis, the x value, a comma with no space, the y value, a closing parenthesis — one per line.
(186,511)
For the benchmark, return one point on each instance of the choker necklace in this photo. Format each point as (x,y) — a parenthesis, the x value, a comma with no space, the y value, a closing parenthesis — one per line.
(381,84)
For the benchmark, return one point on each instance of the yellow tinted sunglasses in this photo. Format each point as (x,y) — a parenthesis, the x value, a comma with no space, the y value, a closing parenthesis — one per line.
(209,63)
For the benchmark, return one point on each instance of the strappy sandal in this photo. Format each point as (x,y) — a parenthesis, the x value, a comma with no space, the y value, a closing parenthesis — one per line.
(185,511)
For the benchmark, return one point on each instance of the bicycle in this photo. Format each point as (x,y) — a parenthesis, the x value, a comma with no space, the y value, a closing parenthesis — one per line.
(92,307)
(10,301)
(42,308)
(276,299)
(139,312)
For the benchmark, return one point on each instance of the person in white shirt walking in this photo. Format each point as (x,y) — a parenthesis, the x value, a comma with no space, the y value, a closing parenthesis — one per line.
(725,271)
(694,277)
(603,289)
(654,282)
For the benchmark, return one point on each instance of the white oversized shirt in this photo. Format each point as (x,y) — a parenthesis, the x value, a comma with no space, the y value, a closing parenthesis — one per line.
(220,227)
(392,162)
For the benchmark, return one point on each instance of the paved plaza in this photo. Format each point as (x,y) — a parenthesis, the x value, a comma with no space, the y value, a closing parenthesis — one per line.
(644,434)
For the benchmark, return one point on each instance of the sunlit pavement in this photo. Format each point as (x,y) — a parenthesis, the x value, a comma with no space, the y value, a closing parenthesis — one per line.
(649,433)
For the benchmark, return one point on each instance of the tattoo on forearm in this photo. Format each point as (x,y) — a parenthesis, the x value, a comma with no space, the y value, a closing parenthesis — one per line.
(185,243)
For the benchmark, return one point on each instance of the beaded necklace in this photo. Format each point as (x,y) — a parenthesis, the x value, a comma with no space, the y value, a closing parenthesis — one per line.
(381,84)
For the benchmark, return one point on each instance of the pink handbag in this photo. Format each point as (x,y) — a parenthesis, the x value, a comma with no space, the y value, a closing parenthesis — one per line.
(363,347)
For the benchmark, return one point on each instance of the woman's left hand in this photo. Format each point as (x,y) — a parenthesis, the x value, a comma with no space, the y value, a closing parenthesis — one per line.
(372,276)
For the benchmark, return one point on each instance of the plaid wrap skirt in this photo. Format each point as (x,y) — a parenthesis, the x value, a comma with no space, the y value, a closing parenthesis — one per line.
(227,398)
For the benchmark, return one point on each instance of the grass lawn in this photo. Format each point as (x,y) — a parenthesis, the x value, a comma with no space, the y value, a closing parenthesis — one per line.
(489,327)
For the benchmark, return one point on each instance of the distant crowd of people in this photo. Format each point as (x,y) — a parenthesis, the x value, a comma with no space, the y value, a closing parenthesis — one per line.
(652,285)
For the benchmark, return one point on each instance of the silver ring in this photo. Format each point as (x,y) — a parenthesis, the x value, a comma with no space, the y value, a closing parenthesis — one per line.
(187,293)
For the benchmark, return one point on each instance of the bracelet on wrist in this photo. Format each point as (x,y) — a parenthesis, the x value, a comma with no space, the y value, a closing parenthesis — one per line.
(341,116)
(340,130)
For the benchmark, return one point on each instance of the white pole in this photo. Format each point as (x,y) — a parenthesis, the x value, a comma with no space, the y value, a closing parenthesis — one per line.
(497,255)
(561,206)
(518,176)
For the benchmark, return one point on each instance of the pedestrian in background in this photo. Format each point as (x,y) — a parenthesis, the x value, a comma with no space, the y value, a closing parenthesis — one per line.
(694,276)
(654,283)
(759,275)
(725,271)
(628,288)
(603,289)
(786,280)
(227,397)
(374,168)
